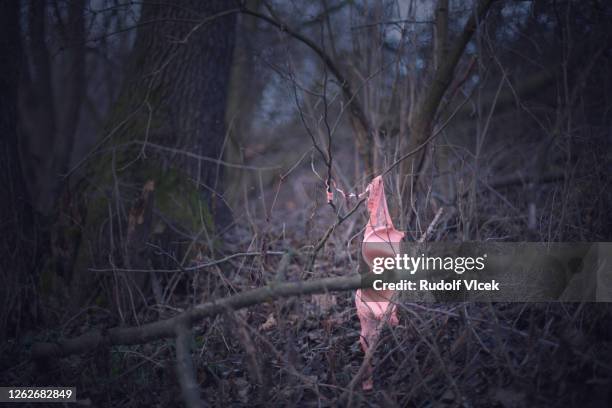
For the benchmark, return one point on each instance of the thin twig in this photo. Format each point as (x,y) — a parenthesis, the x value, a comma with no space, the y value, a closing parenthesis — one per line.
(323,240)
(185,369)
(429,139)
(190,268)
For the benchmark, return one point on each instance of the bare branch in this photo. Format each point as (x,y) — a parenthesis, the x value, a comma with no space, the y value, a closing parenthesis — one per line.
(185,369)
(444,72)
(322,241)
(167,328)
(359,119)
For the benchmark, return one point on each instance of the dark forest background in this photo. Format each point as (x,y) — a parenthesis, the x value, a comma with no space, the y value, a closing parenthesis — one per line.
(159,156)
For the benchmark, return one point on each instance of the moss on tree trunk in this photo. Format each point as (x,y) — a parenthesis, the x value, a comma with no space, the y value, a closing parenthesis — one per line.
(174,96)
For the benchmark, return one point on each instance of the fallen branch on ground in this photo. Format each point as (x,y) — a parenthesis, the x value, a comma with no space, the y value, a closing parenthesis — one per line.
(167,328)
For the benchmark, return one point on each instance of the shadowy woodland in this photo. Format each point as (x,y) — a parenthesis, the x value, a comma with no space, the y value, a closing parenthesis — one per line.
(166,237)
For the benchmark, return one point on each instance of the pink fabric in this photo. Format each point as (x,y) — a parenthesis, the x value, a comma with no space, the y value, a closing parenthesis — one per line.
(380,239)
(377,208)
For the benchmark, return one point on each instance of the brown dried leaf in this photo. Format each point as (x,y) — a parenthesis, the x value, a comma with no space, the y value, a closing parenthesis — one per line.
(269,323)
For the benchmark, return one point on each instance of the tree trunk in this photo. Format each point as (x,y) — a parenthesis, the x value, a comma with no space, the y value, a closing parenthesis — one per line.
(421,121)
(174,97)
(16,243)
(49,115)
(182,71)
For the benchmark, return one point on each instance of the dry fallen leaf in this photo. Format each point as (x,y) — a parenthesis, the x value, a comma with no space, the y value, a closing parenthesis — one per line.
(269,323)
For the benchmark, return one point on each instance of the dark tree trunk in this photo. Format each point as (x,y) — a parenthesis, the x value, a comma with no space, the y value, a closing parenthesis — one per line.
(15,213)
(185,69)
(49,115)
(173,101)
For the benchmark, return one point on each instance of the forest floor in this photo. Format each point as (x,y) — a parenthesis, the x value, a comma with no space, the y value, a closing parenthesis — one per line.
(305,351)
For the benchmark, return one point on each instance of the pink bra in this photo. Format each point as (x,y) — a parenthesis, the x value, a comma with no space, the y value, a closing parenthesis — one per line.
(380,239)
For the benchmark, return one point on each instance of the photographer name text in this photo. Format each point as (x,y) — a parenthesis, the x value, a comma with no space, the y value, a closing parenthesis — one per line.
(442,285)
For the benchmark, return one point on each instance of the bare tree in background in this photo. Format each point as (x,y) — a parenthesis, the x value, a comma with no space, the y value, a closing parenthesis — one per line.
(50,113)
